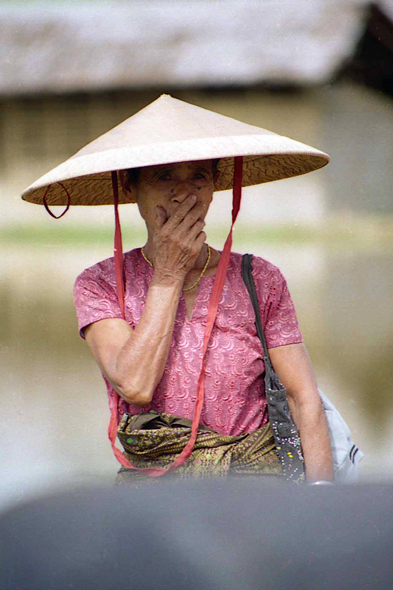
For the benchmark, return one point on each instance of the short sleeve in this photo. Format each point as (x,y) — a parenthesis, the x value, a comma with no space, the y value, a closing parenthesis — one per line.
(278,313)
(95,296)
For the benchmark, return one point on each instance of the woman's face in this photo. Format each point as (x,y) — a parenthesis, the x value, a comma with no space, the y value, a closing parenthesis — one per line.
(168,185)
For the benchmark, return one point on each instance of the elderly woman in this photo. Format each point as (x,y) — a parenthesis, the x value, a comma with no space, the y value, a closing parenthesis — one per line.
(152,361)
(151,355)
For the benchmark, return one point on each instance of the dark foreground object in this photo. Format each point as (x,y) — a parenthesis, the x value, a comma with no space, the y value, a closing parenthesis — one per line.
(235,534)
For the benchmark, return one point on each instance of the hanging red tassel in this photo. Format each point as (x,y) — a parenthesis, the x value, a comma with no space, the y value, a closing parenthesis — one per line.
(211,316)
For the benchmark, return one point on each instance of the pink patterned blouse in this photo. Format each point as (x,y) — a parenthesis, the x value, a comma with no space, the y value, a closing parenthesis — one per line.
(234,389)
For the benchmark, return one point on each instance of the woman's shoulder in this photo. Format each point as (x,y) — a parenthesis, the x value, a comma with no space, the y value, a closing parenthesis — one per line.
(104,271)
(261,268)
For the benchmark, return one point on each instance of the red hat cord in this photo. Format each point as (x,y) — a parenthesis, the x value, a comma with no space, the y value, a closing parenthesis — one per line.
(47,206)
(118,248)
(211,316)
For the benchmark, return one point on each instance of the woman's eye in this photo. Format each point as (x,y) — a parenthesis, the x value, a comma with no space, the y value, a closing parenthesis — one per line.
(164,177)
(199,176)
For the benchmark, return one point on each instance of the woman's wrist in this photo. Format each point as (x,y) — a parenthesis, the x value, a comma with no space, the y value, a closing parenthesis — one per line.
(167,280)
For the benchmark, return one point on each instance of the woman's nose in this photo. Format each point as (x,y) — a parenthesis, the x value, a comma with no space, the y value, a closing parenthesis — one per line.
(182,190)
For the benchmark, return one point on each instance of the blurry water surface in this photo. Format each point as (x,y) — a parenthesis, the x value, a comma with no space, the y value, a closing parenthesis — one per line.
(54,408)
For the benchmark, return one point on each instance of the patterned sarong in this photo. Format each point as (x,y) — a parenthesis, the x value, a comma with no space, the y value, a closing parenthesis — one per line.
(154,440)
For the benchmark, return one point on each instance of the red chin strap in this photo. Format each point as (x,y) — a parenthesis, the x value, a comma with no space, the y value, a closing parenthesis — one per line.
(118,248)
(211,316)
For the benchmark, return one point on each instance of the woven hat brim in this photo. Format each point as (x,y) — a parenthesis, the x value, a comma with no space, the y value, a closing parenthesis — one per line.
(264,161)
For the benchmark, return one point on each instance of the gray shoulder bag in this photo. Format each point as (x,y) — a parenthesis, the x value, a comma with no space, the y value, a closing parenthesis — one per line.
(346,455)
(285,433)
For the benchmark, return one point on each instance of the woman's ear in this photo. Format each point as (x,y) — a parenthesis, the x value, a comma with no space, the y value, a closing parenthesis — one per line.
(127,187)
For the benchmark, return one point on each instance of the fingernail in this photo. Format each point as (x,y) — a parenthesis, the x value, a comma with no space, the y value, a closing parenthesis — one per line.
(194,197)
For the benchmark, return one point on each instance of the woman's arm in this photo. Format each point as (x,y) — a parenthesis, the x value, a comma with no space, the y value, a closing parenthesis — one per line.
(293,366)
(133,360)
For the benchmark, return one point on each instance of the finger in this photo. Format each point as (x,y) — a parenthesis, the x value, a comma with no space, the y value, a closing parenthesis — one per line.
(195,230)
(197,213)
(161,217)
(179,214)
(200,240)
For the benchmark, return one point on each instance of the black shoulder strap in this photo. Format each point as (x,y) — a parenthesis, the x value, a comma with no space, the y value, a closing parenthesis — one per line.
(249,282)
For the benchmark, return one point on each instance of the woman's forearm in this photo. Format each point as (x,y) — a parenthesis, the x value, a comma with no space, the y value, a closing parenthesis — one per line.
(133,360)
(313,430)
(293,366)
(141,361)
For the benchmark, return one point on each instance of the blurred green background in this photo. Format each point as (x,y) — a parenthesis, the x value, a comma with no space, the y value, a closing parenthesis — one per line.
(330,232)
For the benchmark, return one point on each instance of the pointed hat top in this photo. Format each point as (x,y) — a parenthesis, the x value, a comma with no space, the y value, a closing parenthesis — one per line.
(166,131)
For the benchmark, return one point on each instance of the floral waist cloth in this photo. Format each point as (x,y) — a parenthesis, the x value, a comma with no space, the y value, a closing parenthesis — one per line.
(155,440)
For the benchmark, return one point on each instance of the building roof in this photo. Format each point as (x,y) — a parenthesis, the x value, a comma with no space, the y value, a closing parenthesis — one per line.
(49,48)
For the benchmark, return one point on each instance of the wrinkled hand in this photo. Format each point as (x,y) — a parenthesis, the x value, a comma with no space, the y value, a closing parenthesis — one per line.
(178,240)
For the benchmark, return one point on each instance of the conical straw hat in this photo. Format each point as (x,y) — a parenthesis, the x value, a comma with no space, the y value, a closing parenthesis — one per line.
(166,131)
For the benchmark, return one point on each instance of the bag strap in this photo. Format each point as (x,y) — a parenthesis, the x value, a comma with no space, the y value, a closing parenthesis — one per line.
(272,380)
(249,282)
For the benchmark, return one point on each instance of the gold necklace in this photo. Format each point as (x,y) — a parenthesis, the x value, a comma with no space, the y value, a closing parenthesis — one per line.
(200,276)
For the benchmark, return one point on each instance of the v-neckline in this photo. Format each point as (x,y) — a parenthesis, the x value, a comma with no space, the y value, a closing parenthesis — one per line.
(201,287)
(203,283)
